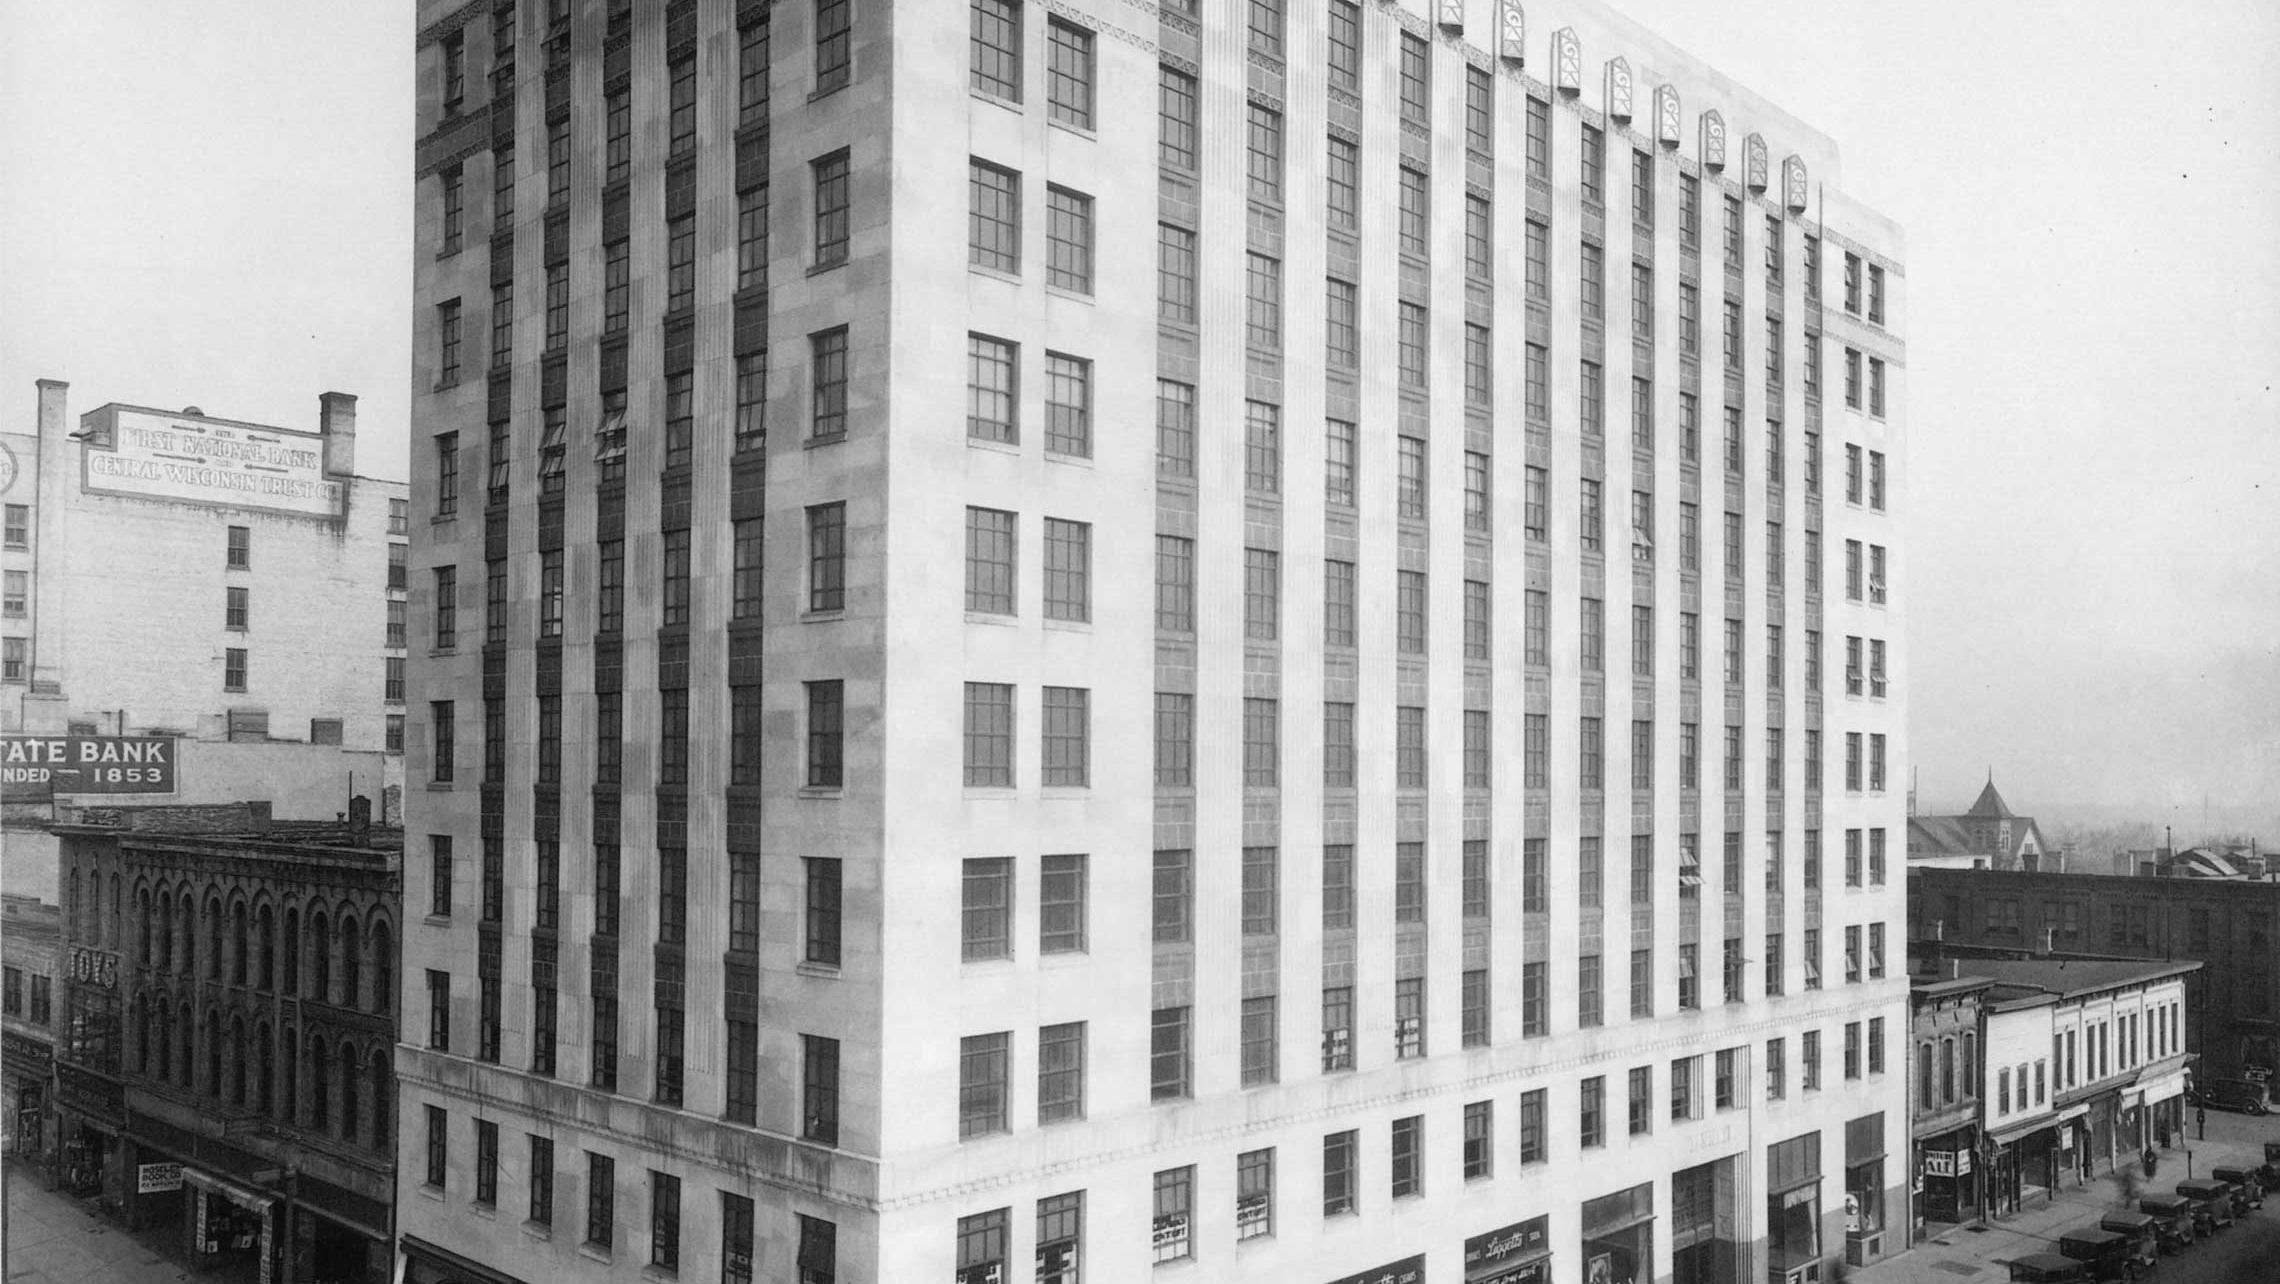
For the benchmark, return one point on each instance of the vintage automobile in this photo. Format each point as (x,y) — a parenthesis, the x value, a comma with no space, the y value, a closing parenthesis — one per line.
(2212,1202)
(2104,1254)
(2046,1268)
(2174,1223)
(2246,1095)
(2143,1233)
(2248,1191)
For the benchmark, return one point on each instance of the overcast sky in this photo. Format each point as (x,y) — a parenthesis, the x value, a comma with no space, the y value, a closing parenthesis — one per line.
(209,202)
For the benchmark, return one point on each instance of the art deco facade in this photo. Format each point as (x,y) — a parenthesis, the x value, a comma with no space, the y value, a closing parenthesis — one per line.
(1163,644)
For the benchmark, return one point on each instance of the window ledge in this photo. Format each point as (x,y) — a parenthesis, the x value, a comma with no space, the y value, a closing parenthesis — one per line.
(1066,791)
(488,1212)
(995,274)
(1063,457)
(833,266)
(821,971)
(593,1252)
(829,439)
(975,792)
(1069,626)
(1073,296)
(817,791)
(431,1192)
(437,920)
(995,100)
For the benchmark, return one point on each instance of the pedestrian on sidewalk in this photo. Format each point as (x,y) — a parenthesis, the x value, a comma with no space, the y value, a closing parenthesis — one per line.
(2150,1160)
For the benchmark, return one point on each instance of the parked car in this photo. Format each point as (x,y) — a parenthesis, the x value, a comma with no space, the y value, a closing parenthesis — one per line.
(2175,1224)
(2245,1095)
(2271,1169)
(2143,1233)
(2248,1192)
(2046,1268)
(2104,1254)
(2212,1203)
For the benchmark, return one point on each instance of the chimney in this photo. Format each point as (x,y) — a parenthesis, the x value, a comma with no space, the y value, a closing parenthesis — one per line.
(336,422)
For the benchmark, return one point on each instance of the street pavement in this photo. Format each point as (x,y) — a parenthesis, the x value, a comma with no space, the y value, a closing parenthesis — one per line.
(2246,1253)
(52,1238)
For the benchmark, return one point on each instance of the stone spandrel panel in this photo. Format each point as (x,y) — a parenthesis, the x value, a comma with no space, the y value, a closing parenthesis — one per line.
(1713,141)
(1794,189)
(1567,62)
(1754,163)
(1666,115)
(1617,98)
(1512,33)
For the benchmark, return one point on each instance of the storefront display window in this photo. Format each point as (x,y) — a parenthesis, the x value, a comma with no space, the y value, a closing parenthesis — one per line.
(1619,1237)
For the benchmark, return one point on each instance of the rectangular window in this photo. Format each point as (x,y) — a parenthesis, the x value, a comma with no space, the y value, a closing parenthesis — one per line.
(1067,722)
(1337,1028)
(1175,429)
(601,1200)
(1061,1072)
(1343,184)
(1068,240)
(1594,165)
(986,914)
(996,49)
(1264,153)
(1416,211)
(983,1071)
(993,225)
(1262,315)
(1259,1034)
(1408,1010)
(1061,905)
(1267,27)
(1593,283)
(1170,1058)
(1473,1009)
(1592,1113)
(1175,584)
(438,1134)
(1341,1158)
(989,735)
(1407,1157)
(1262,448)
(1411,497)
(1069,74)
(1261,874)
(1590,994)
(1060,1237)
(1338,607)
(1177,114)
(1262,594)
(1416,81)
(1262,749)
(1175,740)
(1173,895)
(1174,1209)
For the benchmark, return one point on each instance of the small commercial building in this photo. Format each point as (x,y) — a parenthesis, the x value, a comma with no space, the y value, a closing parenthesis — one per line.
(231,1010)
(29,965)
(1944,1112)
(194,609)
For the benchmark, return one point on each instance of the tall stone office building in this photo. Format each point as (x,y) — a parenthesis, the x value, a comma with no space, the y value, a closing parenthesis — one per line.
(1116,641)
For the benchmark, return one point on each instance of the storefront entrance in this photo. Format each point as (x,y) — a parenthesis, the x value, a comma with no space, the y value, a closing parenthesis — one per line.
(1704,1247)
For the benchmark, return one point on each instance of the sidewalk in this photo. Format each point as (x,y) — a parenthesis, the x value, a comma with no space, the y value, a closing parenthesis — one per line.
(54,1239)
(1967,1252)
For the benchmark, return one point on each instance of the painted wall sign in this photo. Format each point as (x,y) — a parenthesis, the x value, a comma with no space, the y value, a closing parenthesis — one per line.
(153,1179)
(7,468)
(34,768)
(155,456)
(1409,1270)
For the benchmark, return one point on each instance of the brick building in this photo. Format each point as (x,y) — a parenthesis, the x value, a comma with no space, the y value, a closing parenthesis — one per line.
(1944,1107)
(2232,928)
(230,1018)
(30,963)
(932,501)
(236,586)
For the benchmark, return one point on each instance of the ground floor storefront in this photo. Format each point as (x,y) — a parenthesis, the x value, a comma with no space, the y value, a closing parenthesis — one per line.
(1948,1176)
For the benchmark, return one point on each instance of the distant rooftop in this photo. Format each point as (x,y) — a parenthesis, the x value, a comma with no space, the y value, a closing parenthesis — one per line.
(2066,978)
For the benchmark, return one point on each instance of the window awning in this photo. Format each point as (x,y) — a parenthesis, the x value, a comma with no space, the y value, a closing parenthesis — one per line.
(2010,1136)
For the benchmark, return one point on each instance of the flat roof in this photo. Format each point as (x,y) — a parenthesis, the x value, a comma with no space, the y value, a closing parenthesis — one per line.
(2066,978)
